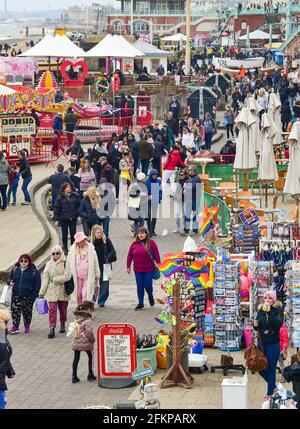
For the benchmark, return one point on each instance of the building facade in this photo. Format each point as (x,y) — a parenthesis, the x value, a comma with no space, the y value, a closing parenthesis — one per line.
(159,17)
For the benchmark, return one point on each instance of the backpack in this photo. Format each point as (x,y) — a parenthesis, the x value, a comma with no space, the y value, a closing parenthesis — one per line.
(73,330)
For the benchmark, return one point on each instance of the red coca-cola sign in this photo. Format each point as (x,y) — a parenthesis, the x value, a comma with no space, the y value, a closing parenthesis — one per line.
(116,346)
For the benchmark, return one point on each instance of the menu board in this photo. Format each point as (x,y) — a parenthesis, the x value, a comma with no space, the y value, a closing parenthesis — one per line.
(116,350)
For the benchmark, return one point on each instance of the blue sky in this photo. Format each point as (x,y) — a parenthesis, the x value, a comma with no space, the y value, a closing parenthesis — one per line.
(50,4)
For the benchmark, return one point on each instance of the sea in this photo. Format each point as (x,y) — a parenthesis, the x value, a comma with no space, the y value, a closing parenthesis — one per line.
(11,29)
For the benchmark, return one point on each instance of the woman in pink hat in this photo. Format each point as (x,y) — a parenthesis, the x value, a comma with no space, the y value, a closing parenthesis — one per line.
(268,322)
(82,264)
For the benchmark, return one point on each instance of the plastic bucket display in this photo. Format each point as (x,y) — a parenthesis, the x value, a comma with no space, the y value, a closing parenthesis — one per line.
(148,355)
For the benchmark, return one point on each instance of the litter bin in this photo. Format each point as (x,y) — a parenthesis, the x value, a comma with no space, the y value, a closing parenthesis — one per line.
(235,393)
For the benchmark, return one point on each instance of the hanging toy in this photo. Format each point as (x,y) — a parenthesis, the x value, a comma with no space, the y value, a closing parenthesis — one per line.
(102,86)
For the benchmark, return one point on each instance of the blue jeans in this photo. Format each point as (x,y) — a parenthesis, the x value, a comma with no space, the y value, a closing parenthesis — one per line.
(104,291)
(24,189)
(208,139)
(272,352)
(2,400)
(105,224)
(137,223)
(3,197)
(54,198)
(145,166)
(12,191)
(144,281)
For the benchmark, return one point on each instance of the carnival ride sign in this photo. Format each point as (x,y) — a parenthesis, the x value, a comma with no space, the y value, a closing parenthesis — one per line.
(116,344)
(12,126)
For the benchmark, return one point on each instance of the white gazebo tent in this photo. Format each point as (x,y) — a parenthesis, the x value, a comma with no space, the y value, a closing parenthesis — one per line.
(59,46)
(153,56)
(115,47)
(259,35)
(178,37)
(174,42)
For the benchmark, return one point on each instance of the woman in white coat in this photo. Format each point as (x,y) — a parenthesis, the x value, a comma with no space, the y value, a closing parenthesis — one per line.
(82,264)
(53,289)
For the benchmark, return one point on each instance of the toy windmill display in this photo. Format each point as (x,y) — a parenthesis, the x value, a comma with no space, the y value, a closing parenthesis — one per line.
(245,158)
(267,172)
(184,300)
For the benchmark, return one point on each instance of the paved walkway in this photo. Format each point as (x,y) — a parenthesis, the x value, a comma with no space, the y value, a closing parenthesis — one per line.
(43,366)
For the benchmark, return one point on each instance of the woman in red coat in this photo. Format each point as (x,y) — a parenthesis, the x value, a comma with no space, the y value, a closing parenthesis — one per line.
(143,252)
(174,160)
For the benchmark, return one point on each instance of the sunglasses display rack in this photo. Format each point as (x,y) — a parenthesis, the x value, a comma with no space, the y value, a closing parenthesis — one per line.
(292,282)
(226,288)
(262,275)
(245,239)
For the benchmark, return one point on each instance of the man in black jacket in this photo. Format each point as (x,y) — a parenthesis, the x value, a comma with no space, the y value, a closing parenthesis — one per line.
(192,194)
(66,211)
(113,157)
(56,180)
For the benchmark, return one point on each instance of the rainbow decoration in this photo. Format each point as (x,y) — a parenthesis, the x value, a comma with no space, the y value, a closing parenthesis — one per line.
(47,80)
(199,272)
(208,219)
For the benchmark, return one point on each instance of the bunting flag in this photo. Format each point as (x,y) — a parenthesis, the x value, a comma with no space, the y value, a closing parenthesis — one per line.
(144,37)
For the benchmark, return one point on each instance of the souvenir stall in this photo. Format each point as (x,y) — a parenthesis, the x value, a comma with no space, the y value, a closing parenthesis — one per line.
(292,283)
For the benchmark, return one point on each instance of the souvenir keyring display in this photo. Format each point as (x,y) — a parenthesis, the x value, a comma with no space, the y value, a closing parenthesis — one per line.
(292,283)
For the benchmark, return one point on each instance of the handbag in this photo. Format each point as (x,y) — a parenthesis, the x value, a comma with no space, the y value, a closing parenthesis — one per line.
(156,274)
(6,294)
(256,360)
(74,157)
(41,306)
(107,272)
(69,286)
(226,360)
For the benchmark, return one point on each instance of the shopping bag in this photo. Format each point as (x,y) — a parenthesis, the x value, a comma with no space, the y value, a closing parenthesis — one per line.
(6,294)
(107,274)
(41,306)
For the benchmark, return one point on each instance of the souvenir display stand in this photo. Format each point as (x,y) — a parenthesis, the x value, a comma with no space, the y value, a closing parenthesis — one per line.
(226,310)
(188,274)
(262,275)
(245,239)
(176,375)
(292,282)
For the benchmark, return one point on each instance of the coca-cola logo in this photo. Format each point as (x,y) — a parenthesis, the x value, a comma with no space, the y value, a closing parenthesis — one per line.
(116,331)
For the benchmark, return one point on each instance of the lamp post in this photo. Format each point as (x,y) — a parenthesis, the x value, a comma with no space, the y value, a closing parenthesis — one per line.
(288,25)
(188,38)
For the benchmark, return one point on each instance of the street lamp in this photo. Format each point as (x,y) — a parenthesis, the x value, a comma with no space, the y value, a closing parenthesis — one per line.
(188,38)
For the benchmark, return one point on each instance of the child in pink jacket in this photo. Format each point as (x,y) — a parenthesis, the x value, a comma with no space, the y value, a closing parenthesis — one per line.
(85,339)
(284,344)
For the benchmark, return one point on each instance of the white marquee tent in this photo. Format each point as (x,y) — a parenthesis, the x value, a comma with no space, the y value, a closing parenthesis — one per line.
(59,46)
(178,37)
(259,35)
(114,46)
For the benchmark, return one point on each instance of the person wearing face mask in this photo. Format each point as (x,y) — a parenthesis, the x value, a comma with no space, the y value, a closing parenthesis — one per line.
(268,322)
(66,212)
(26,282)
(82,264)
(53,289)
(6,369)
